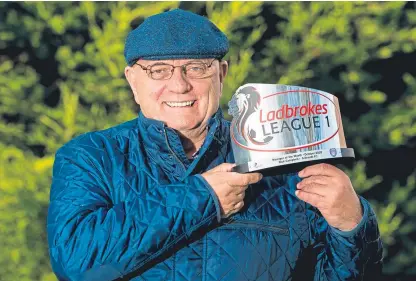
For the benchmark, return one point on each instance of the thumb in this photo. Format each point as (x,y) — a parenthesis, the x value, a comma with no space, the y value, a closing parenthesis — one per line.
(224,167)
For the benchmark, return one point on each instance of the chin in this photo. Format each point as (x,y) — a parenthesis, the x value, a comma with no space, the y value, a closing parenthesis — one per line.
(181,125)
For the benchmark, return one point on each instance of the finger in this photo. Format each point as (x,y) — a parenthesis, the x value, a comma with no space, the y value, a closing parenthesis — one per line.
(237,179)
(241,195)
(319,170)
(236,189)
(234,210)
(311,198)
(319,189)
(238,207)
(254,177)
(224,167)
(323,180)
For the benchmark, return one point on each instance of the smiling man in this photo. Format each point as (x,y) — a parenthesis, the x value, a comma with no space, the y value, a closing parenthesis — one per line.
(182,93)
(155,198)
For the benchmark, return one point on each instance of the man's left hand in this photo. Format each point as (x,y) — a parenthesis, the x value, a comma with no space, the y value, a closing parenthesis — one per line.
(330,190)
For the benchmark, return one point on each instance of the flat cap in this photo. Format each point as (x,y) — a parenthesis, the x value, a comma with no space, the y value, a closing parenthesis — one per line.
(176,34)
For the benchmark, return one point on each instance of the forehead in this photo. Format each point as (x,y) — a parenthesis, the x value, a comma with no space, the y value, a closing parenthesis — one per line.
(174,61)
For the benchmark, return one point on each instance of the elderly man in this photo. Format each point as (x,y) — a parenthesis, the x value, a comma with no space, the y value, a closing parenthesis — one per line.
(156,199)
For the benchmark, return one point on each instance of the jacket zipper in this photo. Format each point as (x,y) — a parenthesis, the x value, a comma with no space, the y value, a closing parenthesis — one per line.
(261,226)
(171,150)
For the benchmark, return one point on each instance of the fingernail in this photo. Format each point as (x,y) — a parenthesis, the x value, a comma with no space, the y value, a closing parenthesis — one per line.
(297,193)
(298,186)
(300,174)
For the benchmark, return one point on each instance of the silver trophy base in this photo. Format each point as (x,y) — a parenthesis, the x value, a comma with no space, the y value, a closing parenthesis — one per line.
(295,162)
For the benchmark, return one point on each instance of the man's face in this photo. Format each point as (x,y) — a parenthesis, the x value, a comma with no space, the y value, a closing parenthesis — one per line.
(182,103)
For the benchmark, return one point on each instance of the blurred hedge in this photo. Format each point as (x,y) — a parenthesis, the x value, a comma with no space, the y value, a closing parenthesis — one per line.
(61,74)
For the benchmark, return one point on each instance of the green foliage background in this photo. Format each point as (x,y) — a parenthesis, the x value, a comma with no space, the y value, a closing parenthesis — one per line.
(61,74)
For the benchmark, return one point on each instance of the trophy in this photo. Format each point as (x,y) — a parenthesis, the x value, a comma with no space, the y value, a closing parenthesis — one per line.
(280,129)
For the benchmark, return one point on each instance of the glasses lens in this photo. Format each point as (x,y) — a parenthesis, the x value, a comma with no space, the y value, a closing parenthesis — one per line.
(161,71)
(197,70)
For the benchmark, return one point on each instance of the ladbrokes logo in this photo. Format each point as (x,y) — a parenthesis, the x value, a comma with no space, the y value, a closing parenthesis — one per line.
(287,111)
(281,121)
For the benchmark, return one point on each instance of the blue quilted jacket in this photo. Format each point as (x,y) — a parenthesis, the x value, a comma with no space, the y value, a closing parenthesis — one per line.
(127,204)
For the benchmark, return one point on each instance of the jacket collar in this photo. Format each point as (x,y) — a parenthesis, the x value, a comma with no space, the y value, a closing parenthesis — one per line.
(148,123)
(164,147)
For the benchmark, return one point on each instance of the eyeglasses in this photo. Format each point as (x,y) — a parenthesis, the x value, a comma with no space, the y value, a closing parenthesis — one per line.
(192,70)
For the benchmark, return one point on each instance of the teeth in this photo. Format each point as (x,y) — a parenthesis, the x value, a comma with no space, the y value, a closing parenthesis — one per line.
(180,104)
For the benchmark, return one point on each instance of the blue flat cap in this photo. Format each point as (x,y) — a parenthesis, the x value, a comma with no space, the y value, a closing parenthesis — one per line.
(176,34)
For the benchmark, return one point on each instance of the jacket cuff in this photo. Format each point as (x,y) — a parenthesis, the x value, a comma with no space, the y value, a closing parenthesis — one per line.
(213,195)
(366,209)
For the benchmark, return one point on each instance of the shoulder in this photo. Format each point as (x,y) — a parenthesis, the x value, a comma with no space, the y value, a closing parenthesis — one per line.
(102,140)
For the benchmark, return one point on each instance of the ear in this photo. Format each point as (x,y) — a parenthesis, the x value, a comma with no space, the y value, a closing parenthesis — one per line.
(131,78)
(223,70)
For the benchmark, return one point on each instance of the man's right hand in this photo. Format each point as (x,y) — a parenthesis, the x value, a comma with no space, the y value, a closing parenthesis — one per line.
(230,187)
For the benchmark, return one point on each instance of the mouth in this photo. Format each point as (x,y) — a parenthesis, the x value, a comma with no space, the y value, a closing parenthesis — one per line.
(180,103)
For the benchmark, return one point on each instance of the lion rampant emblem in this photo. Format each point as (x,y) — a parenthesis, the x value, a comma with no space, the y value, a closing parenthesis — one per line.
(242,106)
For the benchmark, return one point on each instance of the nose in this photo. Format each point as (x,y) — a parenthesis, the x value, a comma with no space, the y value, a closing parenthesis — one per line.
(178,83)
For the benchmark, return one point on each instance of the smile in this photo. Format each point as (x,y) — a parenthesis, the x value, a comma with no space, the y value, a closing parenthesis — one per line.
(179,103)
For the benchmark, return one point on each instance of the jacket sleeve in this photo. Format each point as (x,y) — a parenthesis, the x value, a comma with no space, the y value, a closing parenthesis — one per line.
(92,238)
(346,255)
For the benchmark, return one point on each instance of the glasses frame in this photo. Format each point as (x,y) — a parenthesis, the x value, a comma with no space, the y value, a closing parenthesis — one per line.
(183,68)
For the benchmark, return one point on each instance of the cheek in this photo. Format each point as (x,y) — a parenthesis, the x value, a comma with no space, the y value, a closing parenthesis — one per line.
(215,92)
(157,92)
(151,93)
(212,90)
